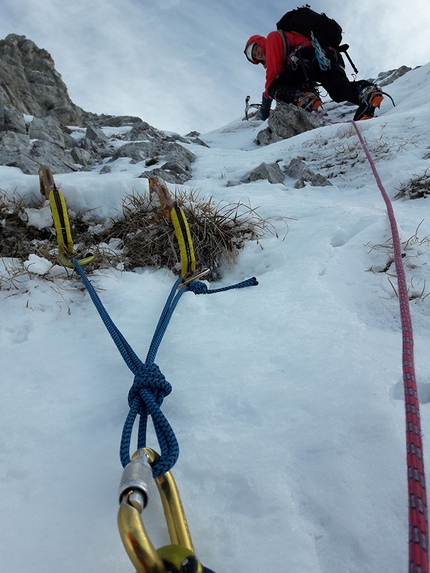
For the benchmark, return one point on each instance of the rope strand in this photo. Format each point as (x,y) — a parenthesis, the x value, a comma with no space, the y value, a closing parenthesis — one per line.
(150,387)
(418,516)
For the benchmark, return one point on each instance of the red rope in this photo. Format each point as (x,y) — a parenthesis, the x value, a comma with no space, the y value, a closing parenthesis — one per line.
(418,520)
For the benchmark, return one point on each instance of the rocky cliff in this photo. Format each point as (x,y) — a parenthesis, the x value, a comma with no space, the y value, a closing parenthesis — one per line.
(30,84)
(39,123)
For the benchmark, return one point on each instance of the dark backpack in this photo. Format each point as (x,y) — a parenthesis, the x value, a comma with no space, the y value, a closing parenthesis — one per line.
(305,21)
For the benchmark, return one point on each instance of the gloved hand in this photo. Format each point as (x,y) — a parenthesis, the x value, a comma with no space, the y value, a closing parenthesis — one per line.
(265,108)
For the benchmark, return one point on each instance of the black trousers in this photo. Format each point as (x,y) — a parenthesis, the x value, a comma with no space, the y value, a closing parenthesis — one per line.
(306,74)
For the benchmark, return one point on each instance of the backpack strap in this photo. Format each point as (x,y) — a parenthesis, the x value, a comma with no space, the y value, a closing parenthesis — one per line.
(286,47)
(308,82)
(298,58)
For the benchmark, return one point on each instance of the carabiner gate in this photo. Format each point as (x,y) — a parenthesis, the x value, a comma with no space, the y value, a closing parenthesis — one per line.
(133,493)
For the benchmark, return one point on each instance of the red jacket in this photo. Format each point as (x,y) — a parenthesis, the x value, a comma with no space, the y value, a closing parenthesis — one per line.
(274,49)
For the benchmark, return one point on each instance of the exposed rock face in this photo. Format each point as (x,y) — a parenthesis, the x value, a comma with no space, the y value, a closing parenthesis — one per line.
(30,83)
(387,78)
(285,121)
(39,124)
(272,172)
(297,169)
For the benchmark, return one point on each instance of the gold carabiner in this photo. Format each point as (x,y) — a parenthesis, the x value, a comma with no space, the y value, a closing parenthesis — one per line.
(194,276)
(135,539)
(46,181)
(133,499)
(158,185)
(176,520)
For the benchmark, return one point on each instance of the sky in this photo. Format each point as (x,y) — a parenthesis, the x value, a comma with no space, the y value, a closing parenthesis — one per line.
(179,64)
(287,398)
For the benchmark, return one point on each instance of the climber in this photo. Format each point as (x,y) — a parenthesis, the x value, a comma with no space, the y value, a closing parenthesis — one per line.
(293,73)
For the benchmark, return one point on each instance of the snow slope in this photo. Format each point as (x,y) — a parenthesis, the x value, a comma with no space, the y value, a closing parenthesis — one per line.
(287,397)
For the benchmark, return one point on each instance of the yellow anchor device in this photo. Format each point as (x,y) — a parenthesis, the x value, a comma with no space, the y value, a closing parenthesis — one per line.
(61,219)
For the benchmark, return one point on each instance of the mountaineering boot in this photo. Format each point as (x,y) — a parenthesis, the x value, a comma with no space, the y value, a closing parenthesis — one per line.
(308,101)
(371,97)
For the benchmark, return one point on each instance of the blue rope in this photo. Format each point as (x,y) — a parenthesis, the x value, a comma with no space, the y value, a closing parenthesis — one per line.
(150,387)
(200,288)
(323,62)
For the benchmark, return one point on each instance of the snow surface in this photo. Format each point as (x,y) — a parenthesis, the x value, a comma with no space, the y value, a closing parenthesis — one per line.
(287,397)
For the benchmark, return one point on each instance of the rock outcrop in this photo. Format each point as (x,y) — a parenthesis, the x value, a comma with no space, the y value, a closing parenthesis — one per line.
(298,170)
(39,124)
(285,121)
(270,171)
(30,84)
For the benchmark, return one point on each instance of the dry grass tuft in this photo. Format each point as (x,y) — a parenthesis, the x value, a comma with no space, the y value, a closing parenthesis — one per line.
(218,230)
(17,238)
(415,254)
(144,237)
(416,188)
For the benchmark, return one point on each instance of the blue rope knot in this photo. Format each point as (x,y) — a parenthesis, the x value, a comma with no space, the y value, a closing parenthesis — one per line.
(149,378)
(145,397)
(197,287)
